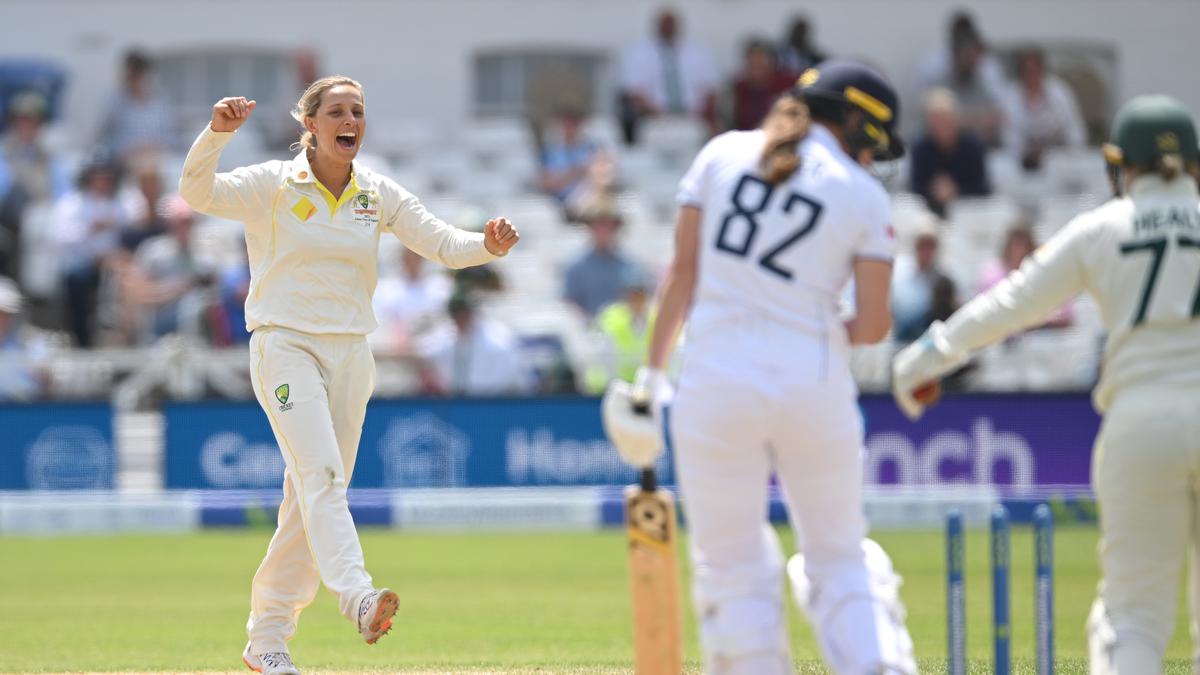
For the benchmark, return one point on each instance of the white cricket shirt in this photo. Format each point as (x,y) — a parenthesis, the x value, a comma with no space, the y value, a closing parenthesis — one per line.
(1139,257)
(779,257)
(313,258)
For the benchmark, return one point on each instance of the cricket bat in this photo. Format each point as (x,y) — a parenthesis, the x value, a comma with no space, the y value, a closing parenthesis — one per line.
(654,577)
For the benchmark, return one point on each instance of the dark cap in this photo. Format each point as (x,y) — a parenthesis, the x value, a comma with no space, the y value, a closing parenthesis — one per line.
(1148,127)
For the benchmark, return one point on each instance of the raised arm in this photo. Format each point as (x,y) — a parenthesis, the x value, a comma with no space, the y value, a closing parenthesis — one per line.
(236,195)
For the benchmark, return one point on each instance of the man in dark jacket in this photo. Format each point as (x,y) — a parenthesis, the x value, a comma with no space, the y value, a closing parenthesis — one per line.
(948,161)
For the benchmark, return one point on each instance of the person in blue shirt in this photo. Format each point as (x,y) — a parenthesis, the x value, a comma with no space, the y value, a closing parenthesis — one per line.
(596,278)
(575,170)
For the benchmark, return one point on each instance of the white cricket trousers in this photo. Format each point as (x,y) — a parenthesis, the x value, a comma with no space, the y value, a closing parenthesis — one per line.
(1146,473)
(314,390)
(740,412)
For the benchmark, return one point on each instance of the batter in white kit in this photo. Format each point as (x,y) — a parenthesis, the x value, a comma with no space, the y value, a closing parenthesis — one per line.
(774,223)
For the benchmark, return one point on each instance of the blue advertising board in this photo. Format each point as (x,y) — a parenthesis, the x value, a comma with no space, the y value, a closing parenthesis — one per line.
(59,446)
(1016,443)
(409,443)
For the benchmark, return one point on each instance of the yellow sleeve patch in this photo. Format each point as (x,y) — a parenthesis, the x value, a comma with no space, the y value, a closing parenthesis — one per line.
(304,209)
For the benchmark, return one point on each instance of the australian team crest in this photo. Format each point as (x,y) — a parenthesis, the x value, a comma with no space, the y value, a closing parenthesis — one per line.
(282,392)
(366,211)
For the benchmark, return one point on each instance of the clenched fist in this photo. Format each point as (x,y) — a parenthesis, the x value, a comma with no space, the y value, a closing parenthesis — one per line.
(499,236)
(230,113)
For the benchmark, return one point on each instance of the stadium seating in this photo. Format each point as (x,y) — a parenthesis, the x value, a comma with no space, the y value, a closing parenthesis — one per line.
(489,168)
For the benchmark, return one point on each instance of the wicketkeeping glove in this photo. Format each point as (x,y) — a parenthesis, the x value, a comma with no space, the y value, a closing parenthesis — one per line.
(919,364)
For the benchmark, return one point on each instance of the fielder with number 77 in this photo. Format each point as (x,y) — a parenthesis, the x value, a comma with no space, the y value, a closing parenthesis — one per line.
(1139,257)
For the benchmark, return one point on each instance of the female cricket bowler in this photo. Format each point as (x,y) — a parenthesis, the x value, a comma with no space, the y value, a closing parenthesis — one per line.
(773,224)
(1139,257)
(313,225)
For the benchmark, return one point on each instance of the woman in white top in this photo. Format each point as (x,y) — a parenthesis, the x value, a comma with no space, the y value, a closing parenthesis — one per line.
(773,224)
(312,234)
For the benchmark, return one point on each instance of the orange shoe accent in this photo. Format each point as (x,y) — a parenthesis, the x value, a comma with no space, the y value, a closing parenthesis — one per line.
(381,623)
(257,670)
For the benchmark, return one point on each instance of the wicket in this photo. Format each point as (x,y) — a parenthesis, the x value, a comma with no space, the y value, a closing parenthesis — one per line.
(1000,553)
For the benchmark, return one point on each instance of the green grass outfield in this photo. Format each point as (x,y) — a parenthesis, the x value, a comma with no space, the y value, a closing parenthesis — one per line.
(470,603)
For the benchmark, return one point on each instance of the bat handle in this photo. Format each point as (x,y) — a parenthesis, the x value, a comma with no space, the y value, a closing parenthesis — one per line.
(641,408)
(649,481)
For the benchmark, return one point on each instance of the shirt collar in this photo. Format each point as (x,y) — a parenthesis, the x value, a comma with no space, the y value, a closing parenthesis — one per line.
(301,172)
(1182,186)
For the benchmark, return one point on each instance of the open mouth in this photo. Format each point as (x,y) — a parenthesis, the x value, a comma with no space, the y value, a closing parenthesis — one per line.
(347,140)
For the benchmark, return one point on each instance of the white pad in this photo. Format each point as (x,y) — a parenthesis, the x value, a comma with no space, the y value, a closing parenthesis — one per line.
(750,664)
(637,436)
(745,635)
(743,629)
(857,614)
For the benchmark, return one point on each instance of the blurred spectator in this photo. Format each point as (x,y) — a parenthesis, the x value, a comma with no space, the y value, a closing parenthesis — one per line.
(479,357)
(574,169)
(921,293)
(1040,111)
(947,161)
(595,279)
(1018,245)
(87,224)
(138,121)
(168,282)
(939,66)
(141,203)
(973,75)
(478,279)
(234,286)
(666,75)
(624,327)
(757,86)
(22,373)
(409,304)
(29,174)
(798,53)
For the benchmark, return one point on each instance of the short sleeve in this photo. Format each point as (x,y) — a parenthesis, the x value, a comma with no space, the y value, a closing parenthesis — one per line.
(878,238)
(694,183)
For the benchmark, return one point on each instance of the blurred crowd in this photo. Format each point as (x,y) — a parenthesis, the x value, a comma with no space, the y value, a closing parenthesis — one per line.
(103,254)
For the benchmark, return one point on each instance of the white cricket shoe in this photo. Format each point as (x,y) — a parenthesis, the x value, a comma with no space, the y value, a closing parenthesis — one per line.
(375,614)
(271,663)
